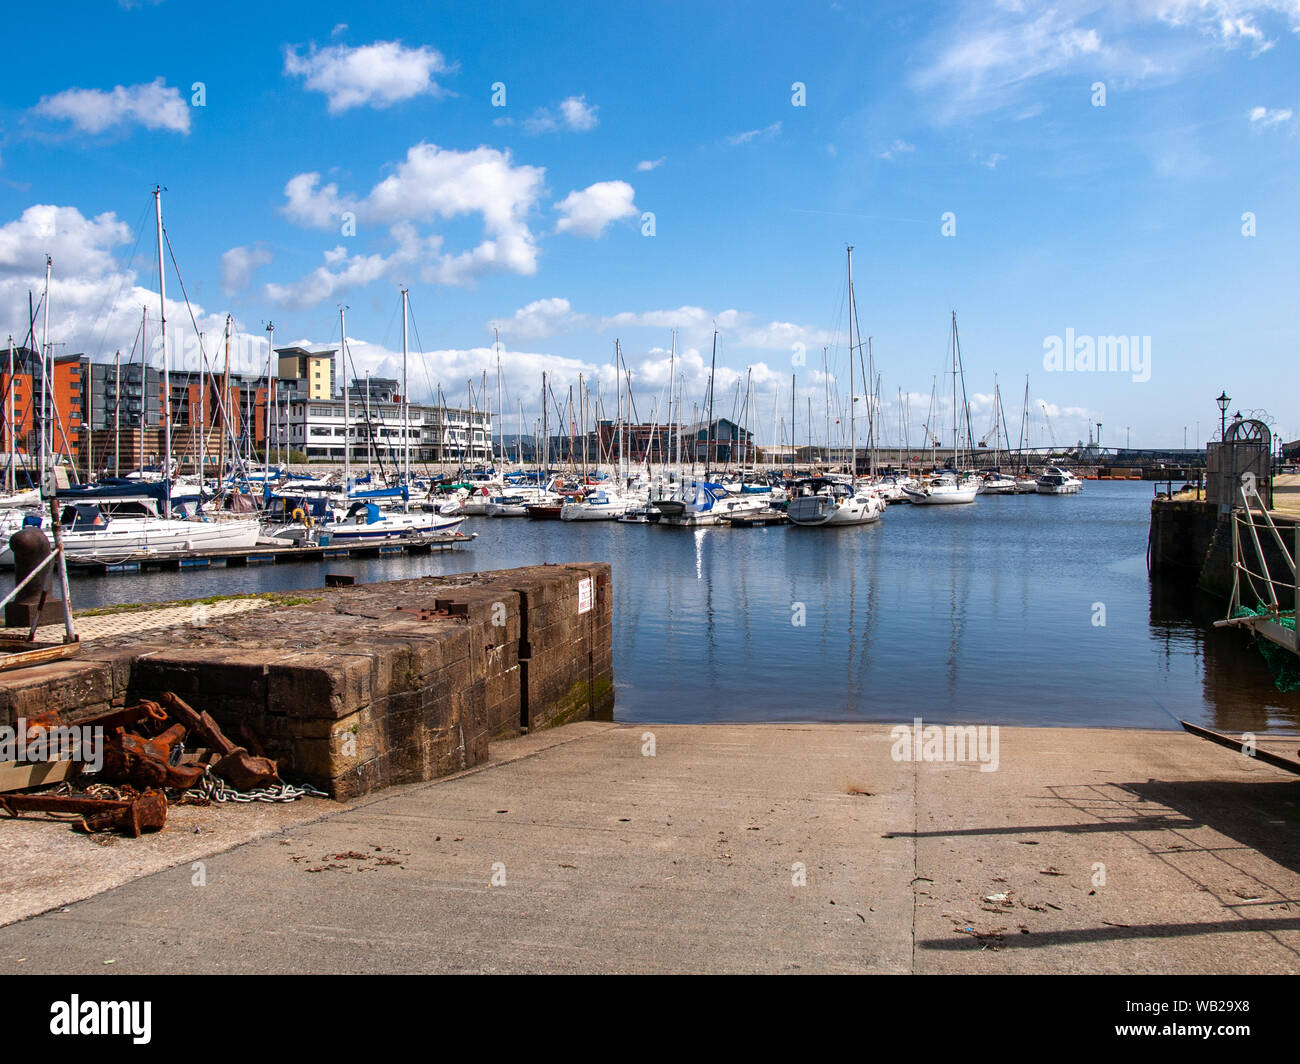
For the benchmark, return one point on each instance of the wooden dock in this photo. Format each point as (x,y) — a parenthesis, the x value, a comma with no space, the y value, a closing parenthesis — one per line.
(181,561)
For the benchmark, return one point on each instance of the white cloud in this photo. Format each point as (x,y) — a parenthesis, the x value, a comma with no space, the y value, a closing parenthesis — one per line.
(990,161)
(980,60)
(429,185)
(539,319)
(1263,117)
(238,265)
(578,114)
(95,300)
(154,106)
(589,211)
(521,373)
(372,75)
(697,324)
(573,113)
(736,139)
(79,246)
(650,164)
(899,147)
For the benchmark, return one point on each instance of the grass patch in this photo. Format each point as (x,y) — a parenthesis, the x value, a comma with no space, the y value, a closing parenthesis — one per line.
(275,598)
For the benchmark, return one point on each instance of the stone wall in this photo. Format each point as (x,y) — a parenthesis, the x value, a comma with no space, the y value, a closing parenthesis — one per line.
(1192,541)
(370,685)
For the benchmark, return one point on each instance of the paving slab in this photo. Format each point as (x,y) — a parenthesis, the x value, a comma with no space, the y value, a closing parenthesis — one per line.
(739,848)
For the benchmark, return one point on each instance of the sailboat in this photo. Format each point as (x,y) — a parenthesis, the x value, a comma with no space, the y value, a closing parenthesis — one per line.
(949,487)
(818,502)
(115,520)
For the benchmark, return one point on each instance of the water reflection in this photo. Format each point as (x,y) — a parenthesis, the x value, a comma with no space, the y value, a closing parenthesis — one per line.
(1237,685)
(980,613)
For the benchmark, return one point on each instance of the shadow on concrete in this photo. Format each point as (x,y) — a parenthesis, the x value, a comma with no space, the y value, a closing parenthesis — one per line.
(1263,816)
(1151,823)
(1045,939)
(1259,817)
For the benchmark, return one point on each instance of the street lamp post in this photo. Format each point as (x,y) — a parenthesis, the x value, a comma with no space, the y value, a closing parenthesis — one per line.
(1223,402)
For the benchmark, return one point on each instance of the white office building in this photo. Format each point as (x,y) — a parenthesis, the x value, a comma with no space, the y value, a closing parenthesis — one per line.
(374,431)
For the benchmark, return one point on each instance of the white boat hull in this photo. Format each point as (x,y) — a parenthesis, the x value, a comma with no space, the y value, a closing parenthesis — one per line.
(395,526)
(124,536)
(821,511)
(939,497)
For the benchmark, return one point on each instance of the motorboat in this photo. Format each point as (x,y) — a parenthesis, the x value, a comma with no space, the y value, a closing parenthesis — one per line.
(1058,481)
(600,505)
(821,501)
(997,483)
(701,502)
(365,522)
(127,527)
(944,489)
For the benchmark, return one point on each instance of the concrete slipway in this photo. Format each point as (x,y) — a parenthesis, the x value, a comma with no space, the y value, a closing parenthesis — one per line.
(1101,851)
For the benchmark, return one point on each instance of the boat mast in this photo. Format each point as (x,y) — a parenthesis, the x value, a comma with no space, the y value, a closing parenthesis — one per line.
(9,420)
(744,421)
(224,406)
(270,401)
(167,380)
(347,427)
(826,381)
(871,408)
(794,444)
(582,417)
(47,431)
(672,372)
(954,389)
(997,443)
(618,375)
(713,365)
(501,437)
(406,408)
(1024,421)
(853,438)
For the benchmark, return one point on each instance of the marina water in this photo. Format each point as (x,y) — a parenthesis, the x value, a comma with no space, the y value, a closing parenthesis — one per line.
(1020,609)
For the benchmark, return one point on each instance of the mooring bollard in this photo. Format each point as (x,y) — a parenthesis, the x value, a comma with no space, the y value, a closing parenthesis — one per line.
(30,548)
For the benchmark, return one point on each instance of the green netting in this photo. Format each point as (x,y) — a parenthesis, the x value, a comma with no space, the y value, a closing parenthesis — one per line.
(1284,665)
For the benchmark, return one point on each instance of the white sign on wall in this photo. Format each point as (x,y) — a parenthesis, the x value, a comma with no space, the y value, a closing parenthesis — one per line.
(584,595)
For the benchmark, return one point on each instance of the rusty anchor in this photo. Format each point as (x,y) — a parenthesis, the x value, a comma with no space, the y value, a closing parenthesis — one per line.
(148,762)
(239,768)
(144,812)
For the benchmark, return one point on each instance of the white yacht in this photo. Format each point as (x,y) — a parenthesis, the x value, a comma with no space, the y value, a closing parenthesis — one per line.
(699,502)
(600,505)
(944,489)
(514,502)
(820,501)
(132,527)
(1058,481)
(365,523)
(997,483)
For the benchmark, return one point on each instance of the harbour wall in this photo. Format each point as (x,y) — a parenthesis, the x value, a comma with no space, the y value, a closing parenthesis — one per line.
(1191,542)
(367,686)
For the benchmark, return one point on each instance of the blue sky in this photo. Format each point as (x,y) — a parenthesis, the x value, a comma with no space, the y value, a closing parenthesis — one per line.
(1122,219)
